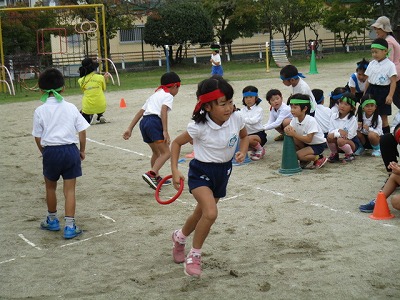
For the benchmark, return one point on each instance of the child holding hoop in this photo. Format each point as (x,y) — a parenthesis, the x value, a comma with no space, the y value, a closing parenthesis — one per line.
(93,86)
(215,131)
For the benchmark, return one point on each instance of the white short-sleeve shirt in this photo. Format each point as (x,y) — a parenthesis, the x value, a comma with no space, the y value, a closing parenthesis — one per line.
(214,143)
(307,126)
(323,116)
(379,72)
(368,121)
(303,88)
(154,103)
(57,123)
(253,118)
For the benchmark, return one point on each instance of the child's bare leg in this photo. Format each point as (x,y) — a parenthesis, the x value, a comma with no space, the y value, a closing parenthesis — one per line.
(208,205)
(396,201)
(51,197)
(191,221)
(306,154)
(70,200)
(155,154)
(164,155)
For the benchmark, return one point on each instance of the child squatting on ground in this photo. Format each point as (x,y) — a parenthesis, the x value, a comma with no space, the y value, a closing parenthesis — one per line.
(343,130)
(154,125)
(279,115)
(93,86)
(55,124)
(369,126)
(253,115)
(215,131)
(307,134)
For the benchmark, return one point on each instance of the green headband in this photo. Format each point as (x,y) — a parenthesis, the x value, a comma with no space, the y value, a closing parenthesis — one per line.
(378,46)
(299,101)
(214,49)
(368,101)
(55,94)
(348,100)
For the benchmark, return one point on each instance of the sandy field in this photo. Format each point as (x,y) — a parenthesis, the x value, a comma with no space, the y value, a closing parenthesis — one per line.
(276,236)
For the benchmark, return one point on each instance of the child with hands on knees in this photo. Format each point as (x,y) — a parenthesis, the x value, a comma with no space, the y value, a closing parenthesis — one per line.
(369,126)
(279,115)
(252,115)
(307,134)
(343,130)
(215,131)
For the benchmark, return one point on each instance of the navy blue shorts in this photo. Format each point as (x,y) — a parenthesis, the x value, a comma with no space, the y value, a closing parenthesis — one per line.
(318,148)
(213,175)
(151,129)
(262,135)
(380,92)
(62,161)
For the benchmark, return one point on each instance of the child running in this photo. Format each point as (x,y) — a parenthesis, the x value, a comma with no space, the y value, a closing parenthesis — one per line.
(154,125)
(369,126)
(93,86)
(253,114)
(291,77)
(381,83)
(215,131)
(279,115)
(343,130)
(55,124)
(307,134)
(357,80)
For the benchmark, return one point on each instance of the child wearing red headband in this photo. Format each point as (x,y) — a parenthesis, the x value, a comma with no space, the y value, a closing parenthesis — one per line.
(215,131)
(154,125)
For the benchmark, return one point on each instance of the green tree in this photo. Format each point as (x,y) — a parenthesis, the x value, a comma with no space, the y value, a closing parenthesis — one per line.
(290,17)
(346,19)
(178,23)
(233,19)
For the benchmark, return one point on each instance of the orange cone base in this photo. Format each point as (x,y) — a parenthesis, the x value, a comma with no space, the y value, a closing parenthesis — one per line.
(381,209)
(386,217)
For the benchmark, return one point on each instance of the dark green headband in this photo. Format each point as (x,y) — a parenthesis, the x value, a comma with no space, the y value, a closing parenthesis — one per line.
(55,94)
(349,101)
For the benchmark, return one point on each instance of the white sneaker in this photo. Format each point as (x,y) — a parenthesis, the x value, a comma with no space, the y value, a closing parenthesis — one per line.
(102,120)
(376,153)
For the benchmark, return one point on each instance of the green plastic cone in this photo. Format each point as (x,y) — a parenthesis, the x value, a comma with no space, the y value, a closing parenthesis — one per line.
(290,164)
(313,63)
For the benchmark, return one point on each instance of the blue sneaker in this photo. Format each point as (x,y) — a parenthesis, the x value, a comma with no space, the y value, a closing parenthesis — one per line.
(71,232)
(368,208)
(53,225)
(359,151)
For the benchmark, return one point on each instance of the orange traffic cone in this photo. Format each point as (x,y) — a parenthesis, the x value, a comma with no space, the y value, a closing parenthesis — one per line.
(381,209)
(122,103)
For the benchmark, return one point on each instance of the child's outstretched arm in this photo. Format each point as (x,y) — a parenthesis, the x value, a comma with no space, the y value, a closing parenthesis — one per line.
(176,145)
(243,146)
(127,134)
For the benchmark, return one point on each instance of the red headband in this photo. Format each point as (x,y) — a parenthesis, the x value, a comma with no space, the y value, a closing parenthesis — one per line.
(166,87)
(205,98)
(397,136)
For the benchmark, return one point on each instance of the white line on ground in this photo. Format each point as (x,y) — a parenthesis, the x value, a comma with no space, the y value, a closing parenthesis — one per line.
(29,242)
(88,239)
(108,218)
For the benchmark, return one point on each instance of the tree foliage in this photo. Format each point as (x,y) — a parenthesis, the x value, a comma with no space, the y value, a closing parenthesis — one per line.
(346,19)
(178,23)
(233,19)
(290,17)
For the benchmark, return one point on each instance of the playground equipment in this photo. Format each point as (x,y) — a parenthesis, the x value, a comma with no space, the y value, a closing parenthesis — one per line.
(278,50)
(10,86)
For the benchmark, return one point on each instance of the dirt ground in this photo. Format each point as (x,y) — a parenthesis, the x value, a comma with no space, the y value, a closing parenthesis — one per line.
(276,236)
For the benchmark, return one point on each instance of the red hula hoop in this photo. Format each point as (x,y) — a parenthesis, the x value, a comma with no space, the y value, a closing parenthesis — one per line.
(157,193)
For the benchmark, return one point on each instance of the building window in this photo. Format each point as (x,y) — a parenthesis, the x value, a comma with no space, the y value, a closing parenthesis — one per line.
(131,35)
(74,40)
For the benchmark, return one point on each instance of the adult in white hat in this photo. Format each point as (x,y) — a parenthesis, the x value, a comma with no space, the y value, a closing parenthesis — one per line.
(383,30)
